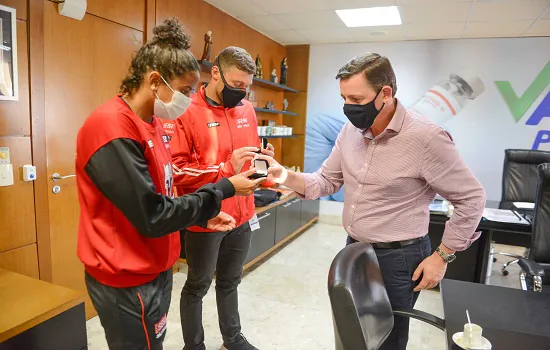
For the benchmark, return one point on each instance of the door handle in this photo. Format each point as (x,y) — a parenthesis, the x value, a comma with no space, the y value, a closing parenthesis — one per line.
(57,177)
(264,216)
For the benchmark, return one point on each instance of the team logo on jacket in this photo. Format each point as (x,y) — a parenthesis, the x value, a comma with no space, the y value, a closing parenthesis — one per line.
(168,180)
(213,124)
(242,123)
(166,139)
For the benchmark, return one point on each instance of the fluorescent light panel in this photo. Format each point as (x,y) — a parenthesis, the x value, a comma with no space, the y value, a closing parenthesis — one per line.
(370,17)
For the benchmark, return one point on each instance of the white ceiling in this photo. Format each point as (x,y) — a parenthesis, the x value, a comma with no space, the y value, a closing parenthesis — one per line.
(314,21)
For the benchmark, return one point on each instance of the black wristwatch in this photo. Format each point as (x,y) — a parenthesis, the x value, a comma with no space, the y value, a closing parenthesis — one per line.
(449,258)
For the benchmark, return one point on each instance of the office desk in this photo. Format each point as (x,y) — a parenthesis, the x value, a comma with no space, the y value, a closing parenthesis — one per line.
(471,264)
(512,319)
(37,315)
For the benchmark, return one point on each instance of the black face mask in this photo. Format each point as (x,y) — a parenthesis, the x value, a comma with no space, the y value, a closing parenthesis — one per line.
(362,116)
(230,96)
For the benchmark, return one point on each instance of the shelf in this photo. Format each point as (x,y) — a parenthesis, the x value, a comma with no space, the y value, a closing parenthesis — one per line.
(279,137)
(206,67)
(270,85)
(274,111)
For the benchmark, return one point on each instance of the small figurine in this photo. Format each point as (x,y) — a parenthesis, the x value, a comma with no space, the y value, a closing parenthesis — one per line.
(207,46)
(285,101)
(259,69)
(274,77)
(284,71)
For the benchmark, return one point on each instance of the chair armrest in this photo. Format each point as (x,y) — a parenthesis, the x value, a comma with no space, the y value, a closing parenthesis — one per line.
(530,267)
(422,316)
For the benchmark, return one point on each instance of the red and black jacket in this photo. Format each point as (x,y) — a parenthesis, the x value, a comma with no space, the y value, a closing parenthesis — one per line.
(128,215)
(202,141)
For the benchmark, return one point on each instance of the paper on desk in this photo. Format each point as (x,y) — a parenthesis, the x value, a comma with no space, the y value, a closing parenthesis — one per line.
(502,215)
(524,205)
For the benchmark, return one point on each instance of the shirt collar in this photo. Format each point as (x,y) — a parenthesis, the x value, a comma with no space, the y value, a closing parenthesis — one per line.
(395,123)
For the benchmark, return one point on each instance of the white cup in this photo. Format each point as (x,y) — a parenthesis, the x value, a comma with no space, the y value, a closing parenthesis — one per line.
(472,335)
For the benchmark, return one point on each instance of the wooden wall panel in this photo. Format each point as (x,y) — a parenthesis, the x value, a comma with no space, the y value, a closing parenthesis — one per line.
(298,70)
(293,151)
(298,66)
(15,115)
(130,13)
(22,260)
(41,187)
(198,17)
(17,224)
(19,5)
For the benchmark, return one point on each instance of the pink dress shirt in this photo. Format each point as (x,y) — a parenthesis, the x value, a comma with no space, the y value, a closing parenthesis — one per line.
(391,180)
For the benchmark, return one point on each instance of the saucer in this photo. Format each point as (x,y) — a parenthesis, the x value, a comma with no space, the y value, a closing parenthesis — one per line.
(457,338)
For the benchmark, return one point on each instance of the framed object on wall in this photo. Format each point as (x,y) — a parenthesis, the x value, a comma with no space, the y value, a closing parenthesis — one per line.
(9,88)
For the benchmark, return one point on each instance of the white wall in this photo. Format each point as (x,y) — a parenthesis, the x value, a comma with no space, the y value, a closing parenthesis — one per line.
(485,128)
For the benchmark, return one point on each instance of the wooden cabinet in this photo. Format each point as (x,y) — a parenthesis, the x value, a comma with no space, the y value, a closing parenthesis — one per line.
(310,210)
(264,238)
(288,219)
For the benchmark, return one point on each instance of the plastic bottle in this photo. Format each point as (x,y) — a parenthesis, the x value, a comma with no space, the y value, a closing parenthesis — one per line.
(446,99)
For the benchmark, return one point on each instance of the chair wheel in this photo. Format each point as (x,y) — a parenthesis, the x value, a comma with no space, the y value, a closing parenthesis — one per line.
(505,272)
(494,259)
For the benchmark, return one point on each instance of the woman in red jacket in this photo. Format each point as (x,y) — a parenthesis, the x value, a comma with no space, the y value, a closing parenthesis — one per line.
(128,234)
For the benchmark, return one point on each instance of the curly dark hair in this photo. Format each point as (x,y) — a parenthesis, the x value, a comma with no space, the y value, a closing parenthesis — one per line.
(166,53)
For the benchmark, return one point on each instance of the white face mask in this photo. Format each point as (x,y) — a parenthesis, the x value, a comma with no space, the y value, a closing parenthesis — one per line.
(173,109)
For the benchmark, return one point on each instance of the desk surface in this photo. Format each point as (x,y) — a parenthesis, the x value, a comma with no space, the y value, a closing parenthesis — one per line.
(486,225)
(511,318)
(26,302)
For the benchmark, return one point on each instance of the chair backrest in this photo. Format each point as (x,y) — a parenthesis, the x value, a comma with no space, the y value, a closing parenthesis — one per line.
(519,176)
(361,309)
(540,238)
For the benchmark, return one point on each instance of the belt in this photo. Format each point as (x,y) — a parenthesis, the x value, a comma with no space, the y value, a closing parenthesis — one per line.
(397,244)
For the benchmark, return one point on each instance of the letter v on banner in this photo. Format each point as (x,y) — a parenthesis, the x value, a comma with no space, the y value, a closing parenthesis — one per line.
(519,105)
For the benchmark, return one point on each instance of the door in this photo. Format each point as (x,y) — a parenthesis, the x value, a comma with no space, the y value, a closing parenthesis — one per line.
(84,63)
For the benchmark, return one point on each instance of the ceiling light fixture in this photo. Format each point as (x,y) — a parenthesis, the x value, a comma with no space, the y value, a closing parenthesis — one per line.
(371,16)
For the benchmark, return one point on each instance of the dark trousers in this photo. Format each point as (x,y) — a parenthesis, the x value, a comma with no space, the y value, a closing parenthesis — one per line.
(225,253)
(398,266)
(133,318)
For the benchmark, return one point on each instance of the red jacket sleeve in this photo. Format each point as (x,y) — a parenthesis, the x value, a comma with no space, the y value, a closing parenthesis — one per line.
(187,171)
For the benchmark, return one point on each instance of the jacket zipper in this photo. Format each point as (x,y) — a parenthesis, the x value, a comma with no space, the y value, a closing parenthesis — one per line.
(237,198)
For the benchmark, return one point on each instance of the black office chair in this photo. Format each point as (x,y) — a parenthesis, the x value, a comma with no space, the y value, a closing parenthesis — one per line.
(519,183)
(361,310)
(536,268)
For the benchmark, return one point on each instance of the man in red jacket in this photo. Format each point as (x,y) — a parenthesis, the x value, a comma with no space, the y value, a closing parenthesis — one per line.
(215,138)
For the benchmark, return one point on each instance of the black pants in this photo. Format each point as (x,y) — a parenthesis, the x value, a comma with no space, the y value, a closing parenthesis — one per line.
(133,318)
(225,253)
(398,266)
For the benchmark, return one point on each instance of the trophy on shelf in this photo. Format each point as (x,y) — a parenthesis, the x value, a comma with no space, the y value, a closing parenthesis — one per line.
(284,71)
(207,47)
(259,72)
(274,78)
(285,103)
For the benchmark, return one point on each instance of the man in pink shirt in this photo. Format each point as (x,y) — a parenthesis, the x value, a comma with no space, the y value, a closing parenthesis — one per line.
(393,163)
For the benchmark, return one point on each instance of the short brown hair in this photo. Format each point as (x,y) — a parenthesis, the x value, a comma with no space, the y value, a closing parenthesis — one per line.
(237,57)
(376,69)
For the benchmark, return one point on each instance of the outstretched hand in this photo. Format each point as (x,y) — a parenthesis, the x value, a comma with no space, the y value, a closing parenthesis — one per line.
(222,222)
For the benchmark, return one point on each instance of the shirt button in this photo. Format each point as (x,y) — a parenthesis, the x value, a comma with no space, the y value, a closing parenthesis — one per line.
(353,206)
(374,142)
